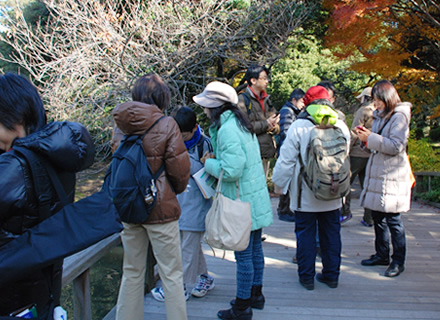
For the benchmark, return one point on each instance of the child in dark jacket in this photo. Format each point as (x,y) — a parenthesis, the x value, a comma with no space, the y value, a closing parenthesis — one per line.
(194,209)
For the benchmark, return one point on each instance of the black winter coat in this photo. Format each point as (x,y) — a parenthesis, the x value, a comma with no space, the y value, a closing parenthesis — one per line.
(69,148)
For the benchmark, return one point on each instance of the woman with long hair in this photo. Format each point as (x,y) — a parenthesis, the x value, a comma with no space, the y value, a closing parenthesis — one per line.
(237,154)
(387,186)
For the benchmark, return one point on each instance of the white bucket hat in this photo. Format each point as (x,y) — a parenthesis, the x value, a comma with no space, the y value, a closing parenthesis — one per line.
(216,94)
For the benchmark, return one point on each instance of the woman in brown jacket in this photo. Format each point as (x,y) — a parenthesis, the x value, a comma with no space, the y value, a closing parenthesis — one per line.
(162,144)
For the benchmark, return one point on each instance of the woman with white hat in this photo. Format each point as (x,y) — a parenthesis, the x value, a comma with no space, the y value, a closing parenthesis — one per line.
(237,153)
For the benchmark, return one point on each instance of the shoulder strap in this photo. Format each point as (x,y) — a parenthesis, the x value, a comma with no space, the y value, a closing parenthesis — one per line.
(386,122)
(43,197)
(305,116)
(140,140)
(200,144)
(247,102)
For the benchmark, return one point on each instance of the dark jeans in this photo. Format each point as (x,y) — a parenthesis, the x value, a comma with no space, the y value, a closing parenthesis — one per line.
(392,221)
(329,230)
(357,167)
(250,266)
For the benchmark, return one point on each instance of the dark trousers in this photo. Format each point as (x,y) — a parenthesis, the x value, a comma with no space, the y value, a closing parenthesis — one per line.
(392,221)
(329,230)
(357,167)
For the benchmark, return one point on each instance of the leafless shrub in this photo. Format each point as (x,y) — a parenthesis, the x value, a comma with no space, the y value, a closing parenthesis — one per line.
(85,57)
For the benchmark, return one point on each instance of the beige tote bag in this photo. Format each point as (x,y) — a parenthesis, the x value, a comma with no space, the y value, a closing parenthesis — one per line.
(228,223)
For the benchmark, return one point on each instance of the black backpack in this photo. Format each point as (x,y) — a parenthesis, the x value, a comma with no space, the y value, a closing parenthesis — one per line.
(130,182)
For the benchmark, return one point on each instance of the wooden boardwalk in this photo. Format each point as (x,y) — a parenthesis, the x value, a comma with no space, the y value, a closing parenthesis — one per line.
(363,292)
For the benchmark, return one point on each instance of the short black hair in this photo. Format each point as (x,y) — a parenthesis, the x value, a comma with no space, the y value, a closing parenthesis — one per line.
(328,85)
(254,71)
(186,118)
(151,89)
(297,94)
(20,104)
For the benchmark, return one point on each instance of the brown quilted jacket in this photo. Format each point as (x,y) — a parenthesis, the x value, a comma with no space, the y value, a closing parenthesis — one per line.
(163,143)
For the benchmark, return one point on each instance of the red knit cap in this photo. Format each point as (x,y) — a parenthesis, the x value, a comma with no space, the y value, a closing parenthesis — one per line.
(314,93)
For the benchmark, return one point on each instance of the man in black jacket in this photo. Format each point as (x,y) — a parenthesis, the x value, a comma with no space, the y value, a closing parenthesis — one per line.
(68,148)
(288,114)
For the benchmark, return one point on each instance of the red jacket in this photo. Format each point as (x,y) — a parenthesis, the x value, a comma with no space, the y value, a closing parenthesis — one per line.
(163,144)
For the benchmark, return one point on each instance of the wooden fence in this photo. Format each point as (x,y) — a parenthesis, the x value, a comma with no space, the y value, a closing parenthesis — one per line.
(76,269)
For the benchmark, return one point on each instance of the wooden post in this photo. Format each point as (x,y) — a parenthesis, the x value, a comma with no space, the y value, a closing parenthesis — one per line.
(82,304)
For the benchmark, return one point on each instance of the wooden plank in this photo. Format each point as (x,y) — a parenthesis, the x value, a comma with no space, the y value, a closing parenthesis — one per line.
(363,292)
(82,305)
(78,263)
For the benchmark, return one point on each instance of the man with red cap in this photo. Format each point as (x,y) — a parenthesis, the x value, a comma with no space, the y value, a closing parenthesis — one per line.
(311,212)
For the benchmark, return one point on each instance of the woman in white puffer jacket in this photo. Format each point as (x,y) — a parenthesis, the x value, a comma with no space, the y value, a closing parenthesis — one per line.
(387,186)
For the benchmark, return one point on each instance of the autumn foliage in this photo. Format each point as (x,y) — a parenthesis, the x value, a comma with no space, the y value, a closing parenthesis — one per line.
(399,40)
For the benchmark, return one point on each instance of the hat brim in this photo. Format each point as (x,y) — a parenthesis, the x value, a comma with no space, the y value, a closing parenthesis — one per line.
(205,102)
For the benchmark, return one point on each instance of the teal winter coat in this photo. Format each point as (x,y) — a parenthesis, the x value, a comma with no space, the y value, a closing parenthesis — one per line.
(237,152)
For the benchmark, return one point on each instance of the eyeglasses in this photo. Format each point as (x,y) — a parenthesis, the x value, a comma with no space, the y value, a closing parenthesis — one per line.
(264,79)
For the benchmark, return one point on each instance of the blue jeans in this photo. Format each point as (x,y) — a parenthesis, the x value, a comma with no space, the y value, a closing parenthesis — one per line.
(329,229)
(392,221)
(250,266)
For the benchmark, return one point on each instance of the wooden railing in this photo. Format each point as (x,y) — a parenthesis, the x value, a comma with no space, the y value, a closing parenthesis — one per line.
(421,176)
(424,186)
(76,269)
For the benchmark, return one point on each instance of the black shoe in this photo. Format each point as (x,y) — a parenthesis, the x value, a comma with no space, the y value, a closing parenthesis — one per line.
(375,260)
(330,283)
(309,285)
(394,270)
(234,314)
(257,302)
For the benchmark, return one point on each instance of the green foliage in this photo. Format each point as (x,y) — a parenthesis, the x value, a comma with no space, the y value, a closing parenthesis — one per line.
(306,63)
(422,156)
(434,134)
(433,195)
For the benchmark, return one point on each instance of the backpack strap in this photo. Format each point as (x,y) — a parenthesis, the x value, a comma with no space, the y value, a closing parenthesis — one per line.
(200,144)
(140,140)
(304,115)
(247,102)
(43,196)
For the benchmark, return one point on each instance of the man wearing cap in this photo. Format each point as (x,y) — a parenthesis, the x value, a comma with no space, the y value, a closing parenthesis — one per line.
(311,212)
(255,103)
(358,154)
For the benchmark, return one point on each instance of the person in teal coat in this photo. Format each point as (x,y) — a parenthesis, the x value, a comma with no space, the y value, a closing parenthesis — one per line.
(237,153)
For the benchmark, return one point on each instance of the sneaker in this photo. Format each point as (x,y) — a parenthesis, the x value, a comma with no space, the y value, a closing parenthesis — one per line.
(344,219)
(159,295)
(206,283)
(366,224)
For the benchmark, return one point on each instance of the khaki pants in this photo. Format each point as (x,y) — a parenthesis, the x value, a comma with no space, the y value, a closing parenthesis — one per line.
(165,241)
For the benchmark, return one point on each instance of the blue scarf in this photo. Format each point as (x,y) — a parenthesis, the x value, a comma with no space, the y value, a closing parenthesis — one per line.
(193,141)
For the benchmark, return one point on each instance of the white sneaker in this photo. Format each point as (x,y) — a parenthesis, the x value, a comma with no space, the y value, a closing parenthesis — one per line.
(159,295)
(206,283)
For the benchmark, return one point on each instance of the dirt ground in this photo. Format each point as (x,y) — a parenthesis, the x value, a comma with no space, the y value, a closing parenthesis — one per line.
(90,180)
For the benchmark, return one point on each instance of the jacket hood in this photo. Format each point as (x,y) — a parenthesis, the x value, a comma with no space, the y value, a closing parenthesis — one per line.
(67,145)
(319,111)
(402,107)
(135,117)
